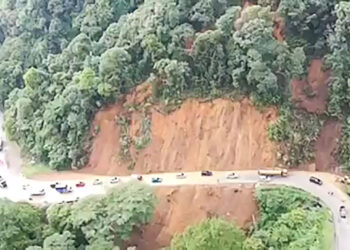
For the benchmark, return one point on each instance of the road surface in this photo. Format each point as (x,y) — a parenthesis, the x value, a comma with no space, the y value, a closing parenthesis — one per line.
(16,193)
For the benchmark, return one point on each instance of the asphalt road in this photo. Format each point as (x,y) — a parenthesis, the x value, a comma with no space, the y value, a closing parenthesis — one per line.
(16,193)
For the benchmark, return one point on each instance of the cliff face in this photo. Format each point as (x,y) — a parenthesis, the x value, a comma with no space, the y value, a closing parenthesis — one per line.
(217,135)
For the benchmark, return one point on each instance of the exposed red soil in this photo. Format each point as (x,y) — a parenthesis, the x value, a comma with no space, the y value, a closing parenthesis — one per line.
(247,3)
(327,146)
(184,206)
(279,28)
(217,135)
(312,93)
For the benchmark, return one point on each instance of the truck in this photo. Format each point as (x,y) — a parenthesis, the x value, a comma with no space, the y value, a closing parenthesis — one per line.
(273,172)
(3,183)
(63,189)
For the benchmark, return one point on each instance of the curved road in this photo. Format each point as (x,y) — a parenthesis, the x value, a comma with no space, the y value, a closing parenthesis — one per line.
(16,193)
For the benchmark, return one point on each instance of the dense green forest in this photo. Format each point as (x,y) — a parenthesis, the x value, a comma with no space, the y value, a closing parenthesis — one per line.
(289,219)
(60,61)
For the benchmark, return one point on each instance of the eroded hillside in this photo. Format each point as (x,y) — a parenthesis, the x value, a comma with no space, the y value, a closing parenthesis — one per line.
(172,215)
(216,135)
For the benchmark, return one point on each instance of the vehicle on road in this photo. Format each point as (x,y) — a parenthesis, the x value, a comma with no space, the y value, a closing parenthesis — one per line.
(345,180)
(137,177)
(232,176)
(40,192)
(80,184)
(114,180)
(206,173)
(63,189)
(53,185)
(342,212)
(265,178)
(316,180)
(157,180)
(181,176)
(97,182)
(1,144)
(3,183)
(274,172)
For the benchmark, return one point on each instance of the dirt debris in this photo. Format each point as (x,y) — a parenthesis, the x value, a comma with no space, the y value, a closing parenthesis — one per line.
(311,93)
(327,146)
(216,135)
(184,206)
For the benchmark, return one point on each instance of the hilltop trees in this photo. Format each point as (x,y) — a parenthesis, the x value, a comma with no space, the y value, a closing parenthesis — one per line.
(60,61)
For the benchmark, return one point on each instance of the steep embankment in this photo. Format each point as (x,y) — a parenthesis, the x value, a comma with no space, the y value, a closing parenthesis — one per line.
(172,215)
(217,135)
(311,94)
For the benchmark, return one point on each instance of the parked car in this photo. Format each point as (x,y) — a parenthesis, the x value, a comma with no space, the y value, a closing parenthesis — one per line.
(80,184)
(114,180)
(25,186)
(137,177)
(316,180)
(181,176)
(206,173)
(157,180)
(232,176)
(342,212)
(265,178)
(97,182)
(40,192)
(3,183)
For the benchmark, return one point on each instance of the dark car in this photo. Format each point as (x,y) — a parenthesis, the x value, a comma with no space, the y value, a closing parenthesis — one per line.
(207,173)
(316,180)
(1,144)
(342,212)
(157,180)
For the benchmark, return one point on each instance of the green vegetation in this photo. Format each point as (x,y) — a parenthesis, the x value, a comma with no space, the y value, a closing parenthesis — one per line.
(210,234)
(21,225)
(289,219)
(60,63)
(292,219)
(98,222)
(299,131)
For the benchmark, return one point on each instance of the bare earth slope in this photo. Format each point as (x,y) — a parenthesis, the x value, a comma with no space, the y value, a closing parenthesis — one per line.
(217,135)
(179,207)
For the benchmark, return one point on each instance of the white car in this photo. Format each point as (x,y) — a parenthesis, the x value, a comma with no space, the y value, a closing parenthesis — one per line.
(40,192)
(97,182)
(114,180)
(181,176)
(232,176)
(264,178)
